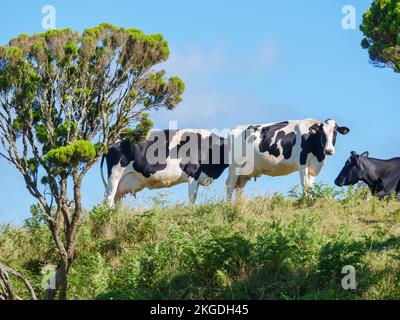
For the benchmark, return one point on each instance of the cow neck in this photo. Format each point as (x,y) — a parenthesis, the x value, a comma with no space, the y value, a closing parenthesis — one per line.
(370,176)
(318,145)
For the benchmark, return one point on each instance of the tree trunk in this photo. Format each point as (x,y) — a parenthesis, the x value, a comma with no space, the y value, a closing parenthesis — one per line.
(64,280)
(60,281)
(59,284)
(67,250)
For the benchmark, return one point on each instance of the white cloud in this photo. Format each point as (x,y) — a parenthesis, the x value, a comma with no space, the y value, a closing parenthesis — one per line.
(202,108)
(215,109)
(265,57)
(193,61)
(207,104)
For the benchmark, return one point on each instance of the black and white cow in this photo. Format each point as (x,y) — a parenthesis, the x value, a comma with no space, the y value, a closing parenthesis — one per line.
(381,176)
(166,158)
(278,149)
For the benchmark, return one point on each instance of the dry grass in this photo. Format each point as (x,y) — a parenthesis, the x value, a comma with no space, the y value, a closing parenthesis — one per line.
(271,247)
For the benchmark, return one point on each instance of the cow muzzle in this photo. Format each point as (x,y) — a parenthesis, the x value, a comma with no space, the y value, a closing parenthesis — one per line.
(339,182)
(330,152)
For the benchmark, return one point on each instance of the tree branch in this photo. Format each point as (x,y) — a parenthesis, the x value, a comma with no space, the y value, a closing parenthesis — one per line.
(7,287)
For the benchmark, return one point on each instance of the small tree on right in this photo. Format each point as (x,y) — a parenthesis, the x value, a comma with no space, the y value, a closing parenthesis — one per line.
(381,28)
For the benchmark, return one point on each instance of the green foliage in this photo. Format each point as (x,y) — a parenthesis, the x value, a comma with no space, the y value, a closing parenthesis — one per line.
(88,276)
(342,250)
(71,48)
(210,257)
(264,248)
(37,220)
(291,247)
(317,192)
(79,151)
(64,99)
(142,129)
(381,27)
(41,132)
(140,132)
(100,216)
(66,91)
(32,165)
(65,128)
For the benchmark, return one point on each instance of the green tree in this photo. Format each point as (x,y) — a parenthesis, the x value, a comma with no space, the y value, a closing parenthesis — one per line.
(64,97)
(381,27)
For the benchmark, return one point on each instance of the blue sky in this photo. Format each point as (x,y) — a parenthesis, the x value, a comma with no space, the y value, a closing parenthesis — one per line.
(242,62)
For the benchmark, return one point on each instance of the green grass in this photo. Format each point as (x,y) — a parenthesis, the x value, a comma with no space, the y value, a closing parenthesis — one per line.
(271,247)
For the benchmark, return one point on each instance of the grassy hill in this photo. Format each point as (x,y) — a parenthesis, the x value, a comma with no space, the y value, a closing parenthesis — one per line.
(271,247)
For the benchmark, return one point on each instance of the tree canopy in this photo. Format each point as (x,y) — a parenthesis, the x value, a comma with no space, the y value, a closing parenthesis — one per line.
(62,90)
(64,97)
(381,27)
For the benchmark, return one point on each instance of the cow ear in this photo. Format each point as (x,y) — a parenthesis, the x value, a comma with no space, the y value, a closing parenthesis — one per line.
(343,130)
(314,129)
(365,154)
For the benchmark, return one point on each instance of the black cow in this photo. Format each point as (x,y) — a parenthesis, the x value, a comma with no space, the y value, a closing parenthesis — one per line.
(381,176)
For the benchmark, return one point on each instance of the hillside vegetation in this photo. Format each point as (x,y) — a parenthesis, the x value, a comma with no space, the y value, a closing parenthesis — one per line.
(271,247)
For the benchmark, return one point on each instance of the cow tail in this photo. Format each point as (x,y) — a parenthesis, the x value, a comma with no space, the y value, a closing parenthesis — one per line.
(102,173)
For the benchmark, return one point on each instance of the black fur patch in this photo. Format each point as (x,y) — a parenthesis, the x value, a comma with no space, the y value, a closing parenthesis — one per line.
(313,143)
(125,152)
(253,127)
(203,162)
(287,142)
(118,153)
(267,134)
(140,151)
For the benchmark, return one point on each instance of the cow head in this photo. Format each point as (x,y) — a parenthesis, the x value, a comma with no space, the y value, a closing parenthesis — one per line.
(353,170)
(326,133)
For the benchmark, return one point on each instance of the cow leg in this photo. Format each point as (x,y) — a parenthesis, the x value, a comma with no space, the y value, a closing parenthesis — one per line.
(314,168)
(240,184)
(388,190)
(304,178)
(117,200)
(193,188)
(231,183)
(311,180)
(382,194)
(112,188)
(113,182)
